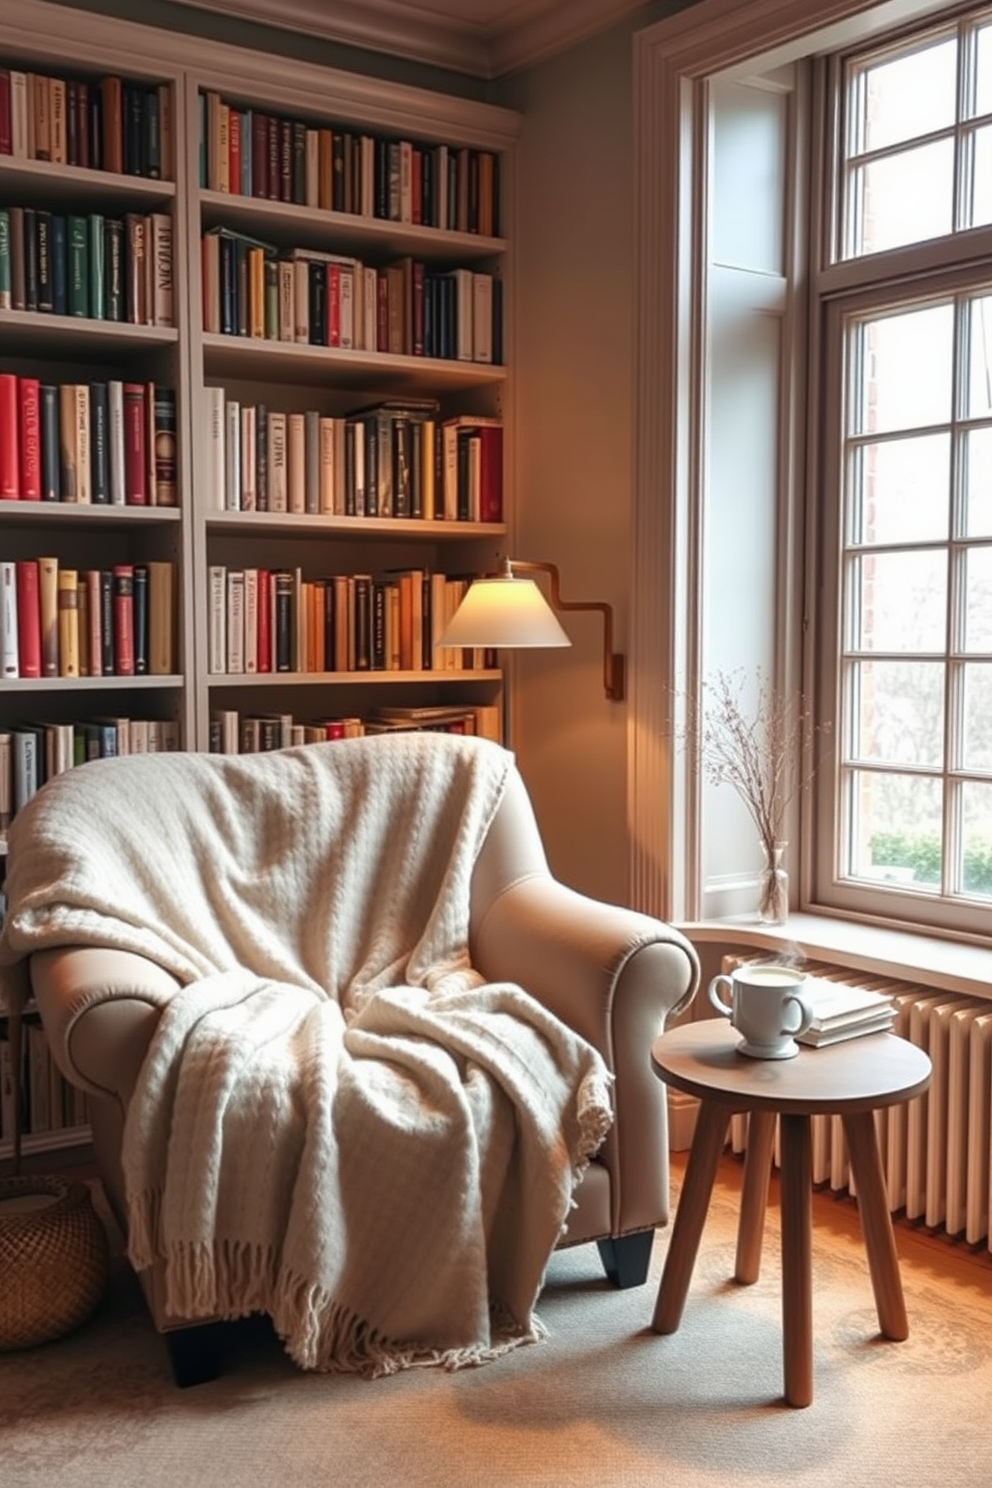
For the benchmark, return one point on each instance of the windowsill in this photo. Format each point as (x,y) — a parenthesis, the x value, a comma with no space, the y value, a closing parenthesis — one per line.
(925,960)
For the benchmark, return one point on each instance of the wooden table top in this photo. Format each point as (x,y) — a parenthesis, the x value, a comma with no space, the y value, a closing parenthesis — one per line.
(857,1074)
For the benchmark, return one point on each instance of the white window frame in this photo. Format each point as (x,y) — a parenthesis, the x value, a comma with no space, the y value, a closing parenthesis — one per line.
(672,63)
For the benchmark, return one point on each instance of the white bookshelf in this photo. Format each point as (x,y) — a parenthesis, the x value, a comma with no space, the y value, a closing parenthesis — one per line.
(38,36)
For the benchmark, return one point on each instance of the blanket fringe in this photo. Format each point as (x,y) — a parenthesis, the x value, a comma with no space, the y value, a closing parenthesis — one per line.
(321,1335)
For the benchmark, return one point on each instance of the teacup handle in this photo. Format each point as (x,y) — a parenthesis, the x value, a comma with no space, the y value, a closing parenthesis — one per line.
(805,1015)
(714,994)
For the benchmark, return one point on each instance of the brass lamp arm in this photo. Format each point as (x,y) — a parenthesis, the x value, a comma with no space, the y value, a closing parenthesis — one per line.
(613,661)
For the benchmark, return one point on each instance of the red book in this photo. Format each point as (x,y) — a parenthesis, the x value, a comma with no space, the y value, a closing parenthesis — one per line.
(10,458)
(264,638)
(123,610)
(135,445)
(28,618)
(6,141)
(491,474)
(29,389)
(112,102)
(259,154)
(234,123)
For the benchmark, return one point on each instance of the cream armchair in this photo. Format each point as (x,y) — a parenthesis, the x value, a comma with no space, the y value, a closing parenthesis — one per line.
(613,975)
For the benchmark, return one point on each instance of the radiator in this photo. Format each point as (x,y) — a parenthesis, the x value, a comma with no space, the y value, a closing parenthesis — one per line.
(936,1150)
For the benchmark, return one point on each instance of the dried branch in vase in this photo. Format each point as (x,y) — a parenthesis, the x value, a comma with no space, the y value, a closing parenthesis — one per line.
(759,740)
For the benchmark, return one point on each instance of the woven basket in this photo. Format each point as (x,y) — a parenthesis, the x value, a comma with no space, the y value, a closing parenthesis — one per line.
(53,1259)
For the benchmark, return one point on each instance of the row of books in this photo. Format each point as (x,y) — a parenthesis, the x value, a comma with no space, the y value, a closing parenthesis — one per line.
(249,152)
(232,732)
(113,123)
(395,458)
(314,298)
(48,1103)
(102,443)
(274,620)
(87,264)
(60,621)
(33,753)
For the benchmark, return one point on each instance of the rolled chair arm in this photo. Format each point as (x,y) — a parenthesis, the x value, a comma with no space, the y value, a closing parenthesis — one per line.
(616,977)
(99,1009)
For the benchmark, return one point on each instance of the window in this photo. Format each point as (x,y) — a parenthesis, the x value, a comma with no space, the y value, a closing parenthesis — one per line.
(904,822)
(874,497)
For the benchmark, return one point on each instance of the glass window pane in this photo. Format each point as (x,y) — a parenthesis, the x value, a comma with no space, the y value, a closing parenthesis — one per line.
(983,70)
(898,601)
(976,327)
(978,600)
(976,480)
(976,742)
(977,207)
(888,391)
(900,490)
(895,829)
(975,875)
(904,198)
(908,96)
(897,712)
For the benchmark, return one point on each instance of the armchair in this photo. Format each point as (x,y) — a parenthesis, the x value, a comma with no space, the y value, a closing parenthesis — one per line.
(612,975)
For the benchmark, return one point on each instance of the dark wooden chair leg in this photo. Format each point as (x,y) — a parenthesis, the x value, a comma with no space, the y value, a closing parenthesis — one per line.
(196,1354)
(626,1258)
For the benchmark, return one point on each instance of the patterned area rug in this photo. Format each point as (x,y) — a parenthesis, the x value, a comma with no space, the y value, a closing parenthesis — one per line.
(602,1403)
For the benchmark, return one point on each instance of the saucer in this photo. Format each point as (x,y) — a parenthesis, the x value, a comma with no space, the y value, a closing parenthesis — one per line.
(788,1050)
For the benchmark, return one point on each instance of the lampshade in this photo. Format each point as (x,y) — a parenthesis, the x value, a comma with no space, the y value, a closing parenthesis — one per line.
(504,612)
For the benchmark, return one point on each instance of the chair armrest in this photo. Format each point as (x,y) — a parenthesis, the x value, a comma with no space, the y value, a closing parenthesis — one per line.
(615,976)
(99,1008)
(597,966)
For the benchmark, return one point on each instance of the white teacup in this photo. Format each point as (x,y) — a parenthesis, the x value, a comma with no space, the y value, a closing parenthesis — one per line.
(766,1006)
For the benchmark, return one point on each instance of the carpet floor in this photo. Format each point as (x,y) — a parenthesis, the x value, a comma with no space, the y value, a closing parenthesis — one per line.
(601,1403)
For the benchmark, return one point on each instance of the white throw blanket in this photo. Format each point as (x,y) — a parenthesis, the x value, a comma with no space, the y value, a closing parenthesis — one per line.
(337,1122)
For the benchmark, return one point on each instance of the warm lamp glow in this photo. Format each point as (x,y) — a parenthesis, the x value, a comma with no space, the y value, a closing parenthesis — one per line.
(503,612)
(507,612)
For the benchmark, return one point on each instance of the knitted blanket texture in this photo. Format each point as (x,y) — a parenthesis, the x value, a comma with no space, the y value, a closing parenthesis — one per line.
(337,1123)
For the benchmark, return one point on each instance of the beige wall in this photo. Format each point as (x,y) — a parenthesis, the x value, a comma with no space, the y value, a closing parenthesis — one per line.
(573,353)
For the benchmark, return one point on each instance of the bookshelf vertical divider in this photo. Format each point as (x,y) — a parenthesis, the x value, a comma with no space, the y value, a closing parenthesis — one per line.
(203,533)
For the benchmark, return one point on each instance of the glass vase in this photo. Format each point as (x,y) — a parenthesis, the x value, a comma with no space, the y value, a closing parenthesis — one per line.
(773,887)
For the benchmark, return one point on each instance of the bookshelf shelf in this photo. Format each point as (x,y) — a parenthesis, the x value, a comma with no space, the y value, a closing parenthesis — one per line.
(55,183)
(69,685)
(59,513)
(385,529)
(350,679)
(314,227)
(71,336)
(362,371)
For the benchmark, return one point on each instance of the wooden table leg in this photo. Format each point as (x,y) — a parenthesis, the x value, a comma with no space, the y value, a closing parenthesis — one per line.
(876,1224)
(754,1195)
(708,1141)
(797,1234)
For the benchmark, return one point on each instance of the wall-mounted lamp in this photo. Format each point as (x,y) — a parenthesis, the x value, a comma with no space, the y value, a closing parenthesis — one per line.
(507,612)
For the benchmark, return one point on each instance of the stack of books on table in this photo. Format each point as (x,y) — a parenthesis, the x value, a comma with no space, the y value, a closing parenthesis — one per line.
(842,1012)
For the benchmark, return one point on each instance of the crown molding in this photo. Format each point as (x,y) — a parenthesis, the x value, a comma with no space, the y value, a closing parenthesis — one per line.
(424,36)
(564,24)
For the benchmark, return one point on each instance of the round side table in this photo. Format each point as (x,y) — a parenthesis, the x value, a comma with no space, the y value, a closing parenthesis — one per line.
(850,1079)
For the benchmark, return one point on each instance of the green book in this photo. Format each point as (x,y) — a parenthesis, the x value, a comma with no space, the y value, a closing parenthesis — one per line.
(97,278)
(5,295)
(79,268)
